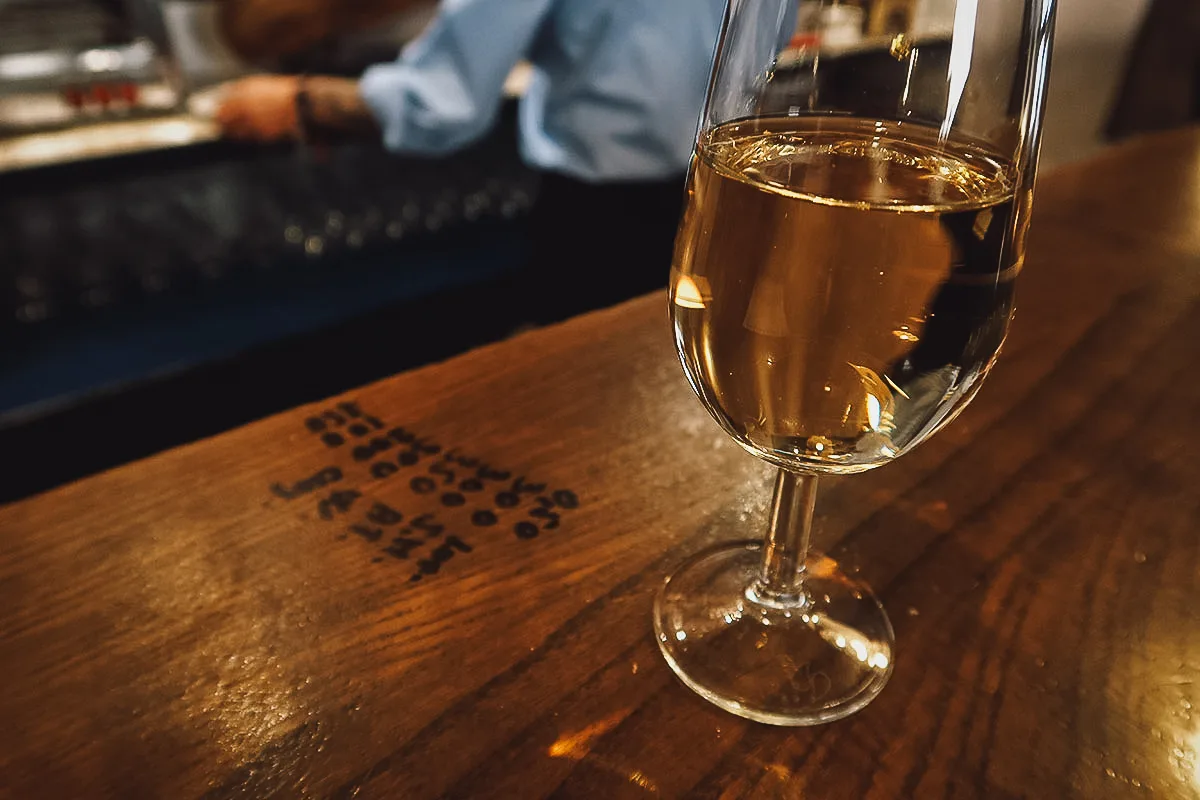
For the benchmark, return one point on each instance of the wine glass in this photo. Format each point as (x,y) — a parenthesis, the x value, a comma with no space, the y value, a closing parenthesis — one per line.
(843,279)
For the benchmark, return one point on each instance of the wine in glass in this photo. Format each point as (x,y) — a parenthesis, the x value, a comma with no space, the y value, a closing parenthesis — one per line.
(843,281)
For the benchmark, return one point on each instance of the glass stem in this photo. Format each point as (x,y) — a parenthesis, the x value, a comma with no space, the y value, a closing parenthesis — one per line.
(781,581)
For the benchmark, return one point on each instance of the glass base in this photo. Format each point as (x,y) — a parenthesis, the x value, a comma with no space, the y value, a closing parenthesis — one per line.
(785,661)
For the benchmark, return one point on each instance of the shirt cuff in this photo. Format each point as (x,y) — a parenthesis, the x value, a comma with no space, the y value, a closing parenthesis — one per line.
(382,90)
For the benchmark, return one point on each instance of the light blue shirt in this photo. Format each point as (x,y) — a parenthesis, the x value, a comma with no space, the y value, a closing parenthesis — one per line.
(616,92)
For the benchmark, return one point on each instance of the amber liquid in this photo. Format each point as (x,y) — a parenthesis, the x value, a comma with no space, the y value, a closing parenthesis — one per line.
(840,285)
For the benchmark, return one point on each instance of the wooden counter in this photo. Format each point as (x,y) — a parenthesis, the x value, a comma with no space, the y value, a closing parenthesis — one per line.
(307,607)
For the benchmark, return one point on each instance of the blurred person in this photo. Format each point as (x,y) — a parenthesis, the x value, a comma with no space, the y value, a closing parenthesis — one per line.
(1161,89)
(298,35)
(608,118)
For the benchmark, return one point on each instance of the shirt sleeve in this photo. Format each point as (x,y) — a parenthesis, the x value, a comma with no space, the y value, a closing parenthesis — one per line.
(445,89)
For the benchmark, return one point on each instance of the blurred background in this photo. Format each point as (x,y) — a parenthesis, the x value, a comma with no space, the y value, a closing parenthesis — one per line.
(160,283)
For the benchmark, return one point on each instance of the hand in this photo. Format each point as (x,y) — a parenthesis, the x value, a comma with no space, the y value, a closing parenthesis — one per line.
(261,108)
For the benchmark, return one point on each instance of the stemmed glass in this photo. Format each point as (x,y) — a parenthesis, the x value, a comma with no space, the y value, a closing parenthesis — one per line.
(843,280)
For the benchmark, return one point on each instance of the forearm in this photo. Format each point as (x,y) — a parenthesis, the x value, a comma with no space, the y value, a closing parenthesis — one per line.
(334,107)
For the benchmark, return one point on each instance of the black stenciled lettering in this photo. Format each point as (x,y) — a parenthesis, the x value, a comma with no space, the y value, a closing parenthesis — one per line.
(320,480)
(566,498)
(458,544)
(471,485)
(441,468)
(425,523)
(422,485)
(455,457)
(428,566)
(454,499)
(551,517)
(507,499)
(484,518)
(359,429)
(486,473)
(383,469)
(400,547)
(383,514)
(350,409)
(339,502)
(521,487)
(402,436)
(526,530)
(370,534)
(416,446)
(332,439)
(441,554)
(315,424)
(365,452)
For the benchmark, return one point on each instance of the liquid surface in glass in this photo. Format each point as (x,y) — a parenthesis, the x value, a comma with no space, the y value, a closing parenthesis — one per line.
(840,285)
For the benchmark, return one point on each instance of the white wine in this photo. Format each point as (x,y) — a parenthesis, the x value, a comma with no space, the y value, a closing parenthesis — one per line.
(841,285)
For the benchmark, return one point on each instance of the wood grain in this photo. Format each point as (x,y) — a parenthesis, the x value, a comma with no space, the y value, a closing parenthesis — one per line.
(175,628)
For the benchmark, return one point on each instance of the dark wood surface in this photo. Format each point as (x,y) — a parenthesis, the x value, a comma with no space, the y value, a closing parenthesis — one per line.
(179,628)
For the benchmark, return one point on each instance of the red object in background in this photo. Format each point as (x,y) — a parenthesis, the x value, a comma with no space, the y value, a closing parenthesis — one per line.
(102,95)
(128,92)
(805,40)
(74,97)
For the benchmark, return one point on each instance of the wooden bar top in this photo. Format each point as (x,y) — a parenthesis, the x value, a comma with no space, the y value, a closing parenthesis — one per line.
(440,584)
